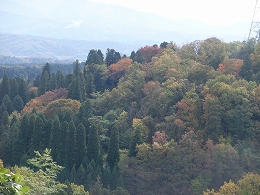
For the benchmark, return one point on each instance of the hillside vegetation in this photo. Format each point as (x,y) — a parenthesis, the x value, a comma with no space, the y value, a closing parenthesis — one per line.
(165,120)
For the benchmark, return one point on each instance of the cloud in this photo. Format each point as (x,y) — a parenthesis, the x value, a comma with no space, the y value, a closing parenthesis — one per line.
(74,24)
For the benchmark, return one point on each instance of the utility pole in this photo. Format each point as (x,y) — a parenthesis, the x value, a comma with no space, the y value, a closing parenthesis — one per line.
(255,25)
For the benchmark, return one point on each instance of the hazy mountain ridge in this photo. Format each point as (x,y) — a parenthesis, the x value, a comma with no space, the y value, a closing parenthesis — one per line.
(62,30)
(56,49)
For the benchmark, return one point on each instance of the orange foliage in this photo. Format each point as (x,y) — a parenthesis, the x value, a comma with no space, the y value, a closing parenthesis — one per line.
(41,102)
(116,71)
(230,66)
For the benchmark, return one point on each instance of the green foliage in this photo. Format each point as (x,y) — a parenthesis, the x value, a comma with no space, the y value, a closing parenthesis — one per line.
(113,151)
(44,162)
(211,112)
(12,183)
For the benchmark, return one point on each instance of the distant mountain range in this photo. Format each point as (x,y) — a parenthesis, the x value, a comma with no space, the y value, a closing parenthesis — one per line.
(56,49)
(69,29)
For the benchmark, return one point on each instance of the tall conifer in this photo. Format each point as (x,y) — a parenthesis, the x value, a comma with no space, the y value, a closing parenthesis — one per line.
(93,148)
(71,144)
(80,144)
(113,152)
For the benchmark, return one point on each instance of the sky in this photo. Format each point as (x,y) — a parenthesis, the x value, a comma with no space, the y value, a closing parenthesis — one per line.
(215,12)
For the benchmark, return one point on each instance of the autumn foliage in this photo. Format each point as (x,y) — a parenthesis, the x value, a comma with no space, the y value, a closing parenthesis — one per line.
(39,104)
(148,52)
(61,105)
(230,66)
(117,70)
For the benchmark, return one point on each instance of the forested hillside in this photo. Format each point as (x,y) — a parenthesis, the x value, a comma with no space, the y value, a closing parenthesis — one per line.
(167,119)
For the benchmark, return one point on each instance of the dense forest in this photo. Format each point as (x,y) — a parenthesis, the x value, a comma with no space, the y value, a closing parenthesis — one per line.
(167,119)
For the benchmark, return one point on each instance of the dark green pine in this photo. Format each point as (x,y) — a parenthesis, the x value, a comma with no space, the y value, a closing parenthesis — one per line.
(73,175)
(113,151)
(5,87)
(81,176)
(8,104)
(19,148)
(135,140)
(18,103)
(106,177)
(14,89)
(93,148)
(60,79)
(36,138)
(23,90)
(56,138)
(46,133)
(80,144)
(71,144)
(114,178)
(64,132)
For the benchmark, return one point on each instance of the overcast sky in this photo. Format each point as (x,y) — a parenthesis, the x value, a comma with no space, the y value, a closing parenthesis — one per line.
(210,11)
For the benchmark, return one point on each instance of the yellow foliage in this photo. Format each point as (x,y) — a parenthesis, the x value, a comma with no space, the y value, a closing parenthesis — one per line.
(61,105)
(138,124)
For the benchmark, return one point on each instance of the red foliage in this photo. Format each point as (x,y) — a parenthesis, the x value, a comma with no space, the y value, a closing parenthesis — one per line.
(148,52)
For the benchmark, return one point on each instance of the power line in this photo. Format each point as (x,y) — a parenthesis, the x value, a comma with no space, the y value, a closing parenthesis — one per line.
(255,24)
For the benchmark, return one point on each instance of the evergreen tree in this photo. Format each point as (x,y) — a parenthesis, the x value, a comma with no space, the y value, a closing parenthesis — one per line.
(18,103)
(68,79)
(37,80)
(44,84)
(53,82)
(95,57)
(73,175)
(71,144)
(76,70)
(60,79)
(81,176)
(47,68)
(46,133)
(64,132)
(132,56)
(113,152)
(5,118)
(8,104)
(114,178)
(56,138)
(5,87)
(14,89)
(93,148)
(22,90)
(45,79)
(77,88)
(85,112)
(90,85)
(135,140)
(2,110)
(80,144)
(20,146)
(37,131)
(68,116)
(120,182)
(106,177)
(32,120)
(112,57)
